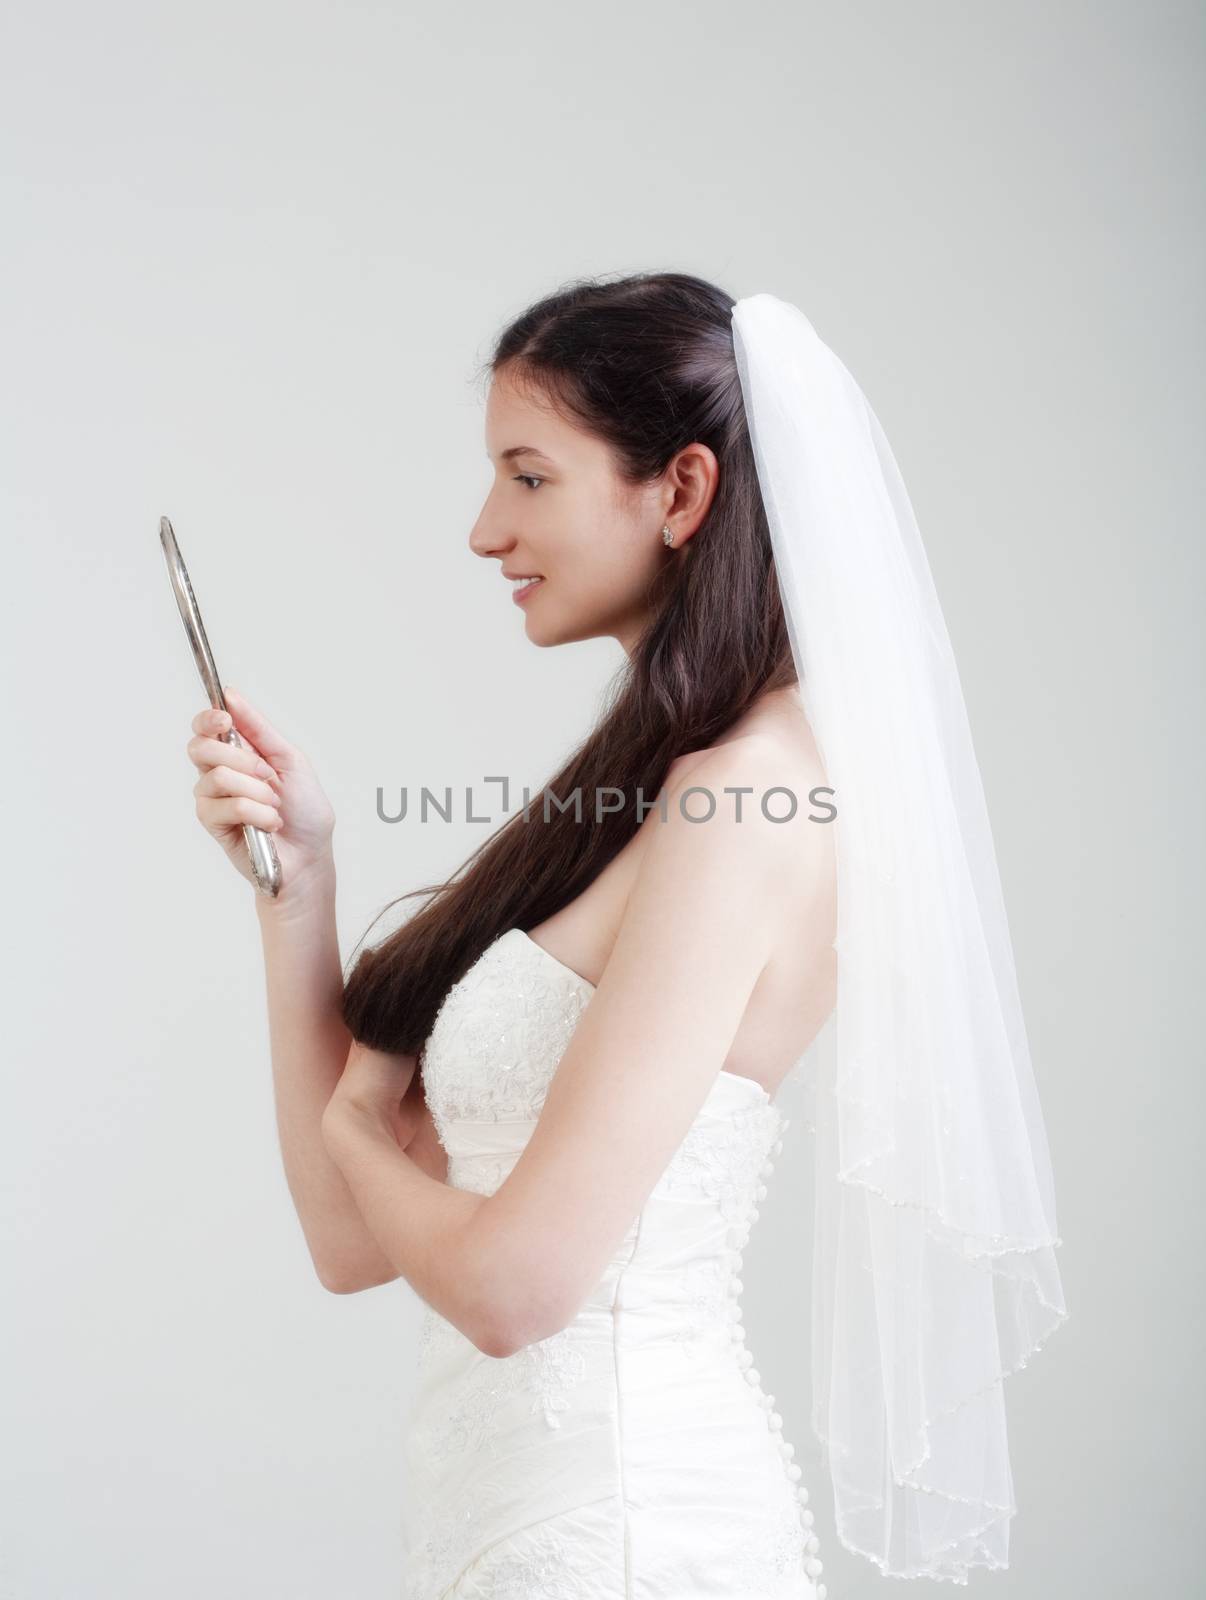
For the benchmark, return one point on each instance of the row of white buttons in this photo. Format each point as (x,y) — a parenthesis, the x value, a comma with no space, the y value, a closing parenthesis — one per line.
(738,1238)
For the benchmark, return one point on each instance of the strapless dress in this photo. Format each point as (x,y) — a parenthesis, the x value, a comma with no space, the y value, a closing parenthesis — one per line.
(632,1455)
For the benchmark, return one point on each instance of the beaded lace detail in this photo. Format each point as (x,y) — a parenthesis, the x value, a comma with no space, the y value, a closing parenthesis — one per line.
(706,1289)
(481,1175)
(725,1170)
(777,1556)
(499,1035)
(544,1373)
(539,1564)
(449,1541)
(436,1334)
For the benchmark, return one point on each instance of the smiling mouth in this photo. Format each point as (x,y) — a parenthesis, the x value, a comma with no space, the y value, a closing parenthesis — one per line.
(523,588)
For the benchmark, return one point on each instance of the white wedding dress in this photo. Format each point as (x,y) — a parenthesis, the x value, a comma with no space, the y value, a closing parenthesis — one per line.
(633,1455)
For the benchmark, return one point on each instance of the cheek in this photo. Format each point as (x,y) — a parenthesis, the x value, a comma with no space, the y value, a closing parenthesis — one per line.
(613,572)
(595,550)
(570,541)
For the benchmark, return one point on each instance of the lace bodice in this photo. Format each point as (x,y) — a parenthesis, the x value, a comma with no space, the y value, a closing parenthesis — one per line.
(498,1039)
(581,1466)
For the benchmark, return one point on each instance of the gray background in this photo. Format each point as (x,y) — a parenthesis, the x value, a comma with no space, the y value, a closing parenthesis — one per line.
(252,256)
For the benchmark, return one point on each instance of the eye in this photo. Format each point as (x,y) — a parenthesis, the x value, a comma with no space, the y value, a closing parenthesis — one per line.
(521,477)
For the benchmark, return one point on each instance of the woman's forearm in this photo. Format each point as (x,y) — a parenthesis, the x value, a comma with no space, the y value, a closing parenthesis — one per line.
(433,1233)
(309,1044)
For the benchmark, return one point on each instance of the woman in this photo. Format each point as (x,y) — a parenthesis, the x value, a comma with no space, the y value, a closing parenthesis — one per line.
(547,1100)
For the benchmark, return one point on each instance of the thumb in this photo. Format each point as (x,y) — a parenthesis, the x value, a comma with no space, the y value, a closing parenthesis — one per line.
(255,726)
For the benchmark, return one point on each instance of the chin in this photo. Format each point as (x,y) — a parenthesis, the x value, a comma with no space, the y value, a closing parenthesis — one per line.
(546,637)
(554,628)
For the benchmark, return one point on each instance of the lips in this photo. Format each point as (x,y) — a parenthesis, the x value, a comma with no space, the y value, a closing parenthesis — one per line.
(521,592)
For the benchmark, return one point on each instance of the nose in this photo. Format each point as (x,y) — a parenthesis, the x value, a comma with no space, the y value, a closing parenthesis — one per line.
(487,539)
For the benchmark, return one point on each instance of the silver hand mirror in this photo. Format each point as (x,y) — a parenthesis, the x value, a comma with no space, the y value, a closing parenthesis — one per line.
(265,864)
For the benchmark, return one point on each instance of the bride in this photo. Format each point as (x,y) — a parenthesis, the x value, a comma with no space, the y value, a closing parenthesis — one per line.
(547,1100)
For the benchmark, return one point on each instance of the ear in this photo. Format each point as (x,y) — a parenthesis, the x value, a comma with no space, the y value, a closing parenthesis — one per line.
(693,476)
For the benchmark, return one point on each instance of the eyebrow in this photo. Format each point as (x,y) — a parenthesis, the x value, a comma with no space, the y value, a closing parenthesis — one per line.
(525,450)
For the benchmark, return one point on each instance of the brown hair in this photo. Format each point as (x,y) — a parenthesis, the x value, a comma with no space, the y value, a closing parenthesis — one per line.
(646,363)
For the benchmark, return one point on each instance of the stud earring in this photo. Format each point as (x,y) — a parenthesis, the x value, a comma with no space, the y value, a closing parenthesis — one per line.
(667,536)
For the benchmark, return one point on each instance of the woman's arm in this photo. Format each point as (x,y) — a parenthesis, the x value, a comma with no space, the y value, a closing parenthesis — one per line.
(268,781)
(309,1044)
(429,1228)
(514,1267)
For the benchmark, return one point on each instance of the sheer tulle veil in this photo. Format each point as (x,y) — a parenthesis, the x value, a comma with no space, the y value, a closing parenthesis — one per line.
(934,1269)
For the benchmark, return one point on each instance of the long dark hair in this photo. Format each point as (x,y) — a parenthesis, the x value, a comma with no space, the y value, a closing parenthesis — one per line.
(645,363)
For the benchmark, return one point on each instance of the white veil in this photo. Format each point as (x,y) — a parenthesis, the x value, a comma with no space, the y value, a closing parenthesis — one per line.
(934,1269)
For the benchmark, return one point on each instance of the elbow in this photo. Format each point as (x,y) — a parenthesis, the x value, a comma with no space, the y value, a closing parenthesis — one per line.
(494,1342)
(336,1285)
(487,1322)
(511,1295)
(339,1278)
(521,1314)
(502,1339)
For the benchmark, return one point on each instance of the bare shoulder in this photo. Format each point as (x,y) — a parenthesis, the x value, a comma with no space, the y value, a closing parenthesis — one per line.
(776,740)
(754,807)
(755,795)
(781,757)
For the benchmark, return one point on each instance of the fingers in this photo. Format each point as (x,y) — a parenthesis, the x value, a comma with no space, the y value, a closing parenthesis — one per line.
(208,749)
(230,811)
(256,727)
(216,781)
(211,720)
